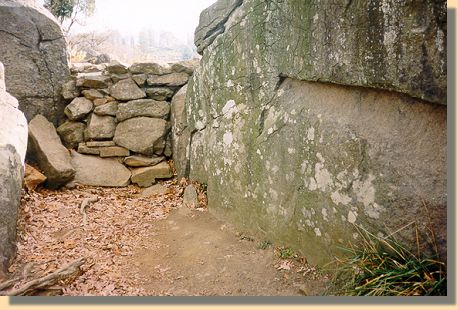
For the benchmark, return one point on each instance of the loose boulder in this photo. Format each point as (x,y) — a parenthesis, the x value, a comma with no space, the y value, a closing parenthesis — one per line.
(140,134)
(71,133)
(126,90)
(78,108)
(33,178)
(96,171)
(147,176)
(100,127)
(171,80)
(53,158)
(143,107)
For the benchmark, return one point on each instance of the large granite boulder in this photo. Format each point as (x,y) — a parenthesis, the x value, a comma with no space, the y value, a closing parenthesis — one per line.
(46,147)
(13,144)
(34,53)
(304,160)
(140,134)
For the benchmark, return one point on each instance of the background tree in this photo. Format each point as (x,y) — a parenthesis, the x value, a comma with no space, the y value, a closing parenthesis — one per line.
(70,11)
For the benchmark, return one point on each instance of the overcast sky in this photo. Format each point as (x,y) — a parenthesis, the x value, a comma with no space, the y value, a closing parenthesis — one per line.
(129,16)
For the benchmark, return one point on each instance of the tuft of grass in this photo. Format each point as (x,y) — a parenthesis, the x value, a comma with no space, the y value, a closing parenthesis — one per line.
(383,267)
(286,253)
(263,245)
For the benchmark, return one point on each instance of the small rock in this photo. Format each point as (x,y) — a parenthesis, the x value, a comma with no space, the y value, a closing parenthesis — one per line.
(148,68)
(187,66)
(126,90)
(33,178)
(147,176)
(69,90)
(118,77)
(100,143)
(142,161)
(116,67)
(84,149)
(114,151)
(71,133)
(78,108)
(190,198)
(92,94)
(100,127)
(157,189)
(140,79)
(109,108)
(142,107)
(93,80)
(172,79)
(160,93)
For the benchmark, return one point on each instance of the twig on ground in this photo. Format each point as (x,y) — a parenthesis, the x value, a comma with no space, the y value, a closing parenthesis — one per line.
(84,204)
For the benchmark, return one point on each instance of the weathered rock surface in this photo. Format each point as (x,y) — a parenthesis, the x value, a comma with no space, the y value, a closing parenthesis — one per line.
(33,178)
(83,148)
(109,108)
(142,161)
(99,143)
(140,134)
(143,107)
(11,174)
(302,160)
(71,133)
(93,80)
(100,127)
(115,67)
(148,68)
(212,22)
(33,51)
(69,90)
(146,176)
(186,66)
(114,151)
(190,198)
(78,109)
(13,144)
(157,189)
(159,93)
(171,80)
(86,67)
(180,133)
(96,171)
(140,79)
(126,90)
(92,94)
(53,158)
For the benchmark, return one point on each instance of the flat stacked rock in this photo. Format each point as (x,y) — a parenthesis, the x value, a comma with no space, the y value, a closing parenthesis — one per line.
(122,113)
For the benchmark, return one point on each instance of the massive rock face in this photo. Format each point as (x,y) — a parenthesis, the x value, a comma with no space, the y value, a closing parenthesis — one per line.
(306,118)
(13,144)
(33,51)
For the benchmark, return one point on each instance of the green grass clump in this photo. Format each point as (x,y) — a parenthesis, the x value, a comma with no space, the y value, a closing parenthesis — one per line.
(286,253)
(383,267)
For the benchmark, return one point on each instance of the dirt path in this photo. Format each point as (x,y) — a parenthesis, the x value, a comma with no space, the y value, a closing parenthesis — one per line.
(150,246)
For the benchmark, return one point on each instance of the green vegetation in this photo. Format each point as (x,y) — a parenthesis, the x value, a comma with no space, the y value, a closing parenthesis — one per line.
(263,245)
(286,253)
(383,267)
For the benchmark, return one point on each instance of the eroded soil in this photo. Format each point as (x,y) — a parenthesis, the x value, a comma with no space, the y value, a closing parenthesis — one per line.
(151,246)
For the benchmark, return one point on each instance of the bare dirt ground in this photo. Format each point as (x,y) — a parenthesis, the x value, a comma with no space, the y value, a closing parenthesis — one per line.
(152,246)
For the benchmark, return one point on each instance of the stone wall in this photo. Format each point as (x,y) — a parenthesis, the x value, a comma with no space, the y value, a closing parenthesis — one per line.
(34,53)
(307,118)
(13,143)
(119,115)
